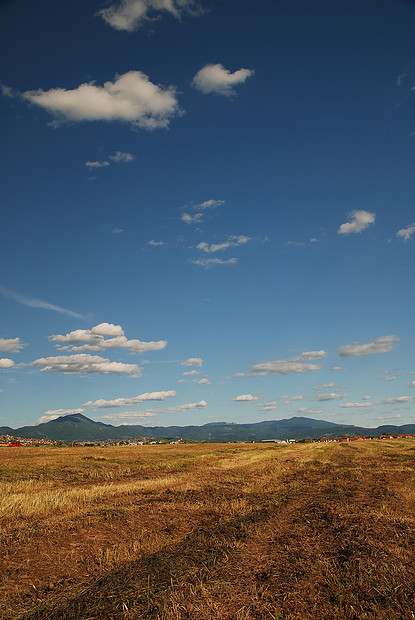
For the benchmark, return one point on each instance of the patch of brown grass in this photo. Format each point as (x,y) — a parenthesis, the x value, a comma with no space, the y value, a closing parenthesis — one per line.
(210,532)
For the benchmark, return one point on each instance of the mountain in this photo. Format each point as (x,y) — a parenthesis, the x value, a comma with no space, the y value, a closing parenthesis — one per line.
(6,430)
(78,427)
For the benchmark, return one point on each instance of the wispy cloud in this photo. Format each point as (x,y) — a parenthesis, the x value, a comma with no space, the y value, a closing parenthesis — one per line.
(130,98)
(325,386)
(192,218)
(209,204)
(118,157)
(271,405)
(201,208)
(122,158)
(33,302)
(97,164)
(130,415)
(406,233)
(215,79)
(233,241)
(304,410)
(207,263)
(358,221)
(399,400)
(292,365)
(330,396)
(131,14)
(380,345)
(364,405)
(200,405)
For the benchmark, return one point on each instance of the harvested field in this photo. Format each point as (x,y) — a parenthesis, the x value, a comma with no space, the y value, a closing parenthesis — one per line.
(229,532)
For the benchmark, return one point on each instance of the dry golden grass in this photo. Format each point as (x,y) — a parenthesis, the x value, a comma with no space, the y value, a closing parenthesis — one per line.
(229,532)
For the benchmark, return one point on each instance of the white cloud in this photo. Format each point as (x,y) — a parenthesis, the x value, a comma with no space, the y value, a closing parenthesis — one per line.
(309,356)
(209,204)
(200,405)
(155,244)
(130,14)
(380,345)
(118,157)
(128,402)
(291,365)
(130,98)
(392,417)
(412,384)
(104,336)
(131,415)
(32,302)
(391,377)
(45,418)
(5,362)
(53,414)
(295,243)
(216,79)
(11,345)
(6,91)
(330,396)
(359,405)
(207,263)
(303,410)
(82,363)
(192,361)
(398,400)
(325,386)
(299,397)
(245,398)
(123,158)
(335,368)
(406,233)
(97,164)
(359,220)
(196,218)
(204,381)
(191,372)
(269,406)
(366,397)
(233,241)
(117,231)
(63,411)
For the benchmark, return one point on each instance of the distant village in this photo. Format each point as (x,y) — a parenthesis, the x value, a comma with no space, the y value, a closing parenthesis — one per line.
(13,442)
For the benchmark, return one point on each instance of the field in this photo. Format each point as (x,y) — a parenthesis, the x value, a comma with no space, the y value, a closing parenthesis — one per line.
(212,531)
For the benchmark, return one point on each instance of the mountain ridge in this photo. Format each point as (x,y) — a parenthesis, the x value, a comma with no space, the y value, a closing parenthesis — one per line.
(78,427)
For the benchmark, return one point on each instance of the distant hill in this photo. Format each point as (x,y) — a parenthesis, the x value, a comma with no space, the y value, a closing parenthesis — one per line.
(78,427)
(6,430)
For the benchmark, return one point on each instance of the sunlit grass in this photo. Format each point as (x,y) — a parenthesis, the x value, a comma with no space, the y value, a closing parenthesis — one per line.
(208,531)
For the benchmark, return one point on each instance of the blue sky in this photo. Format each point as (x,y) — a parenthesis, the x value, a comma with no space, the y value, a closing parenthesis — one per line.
(207,211)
